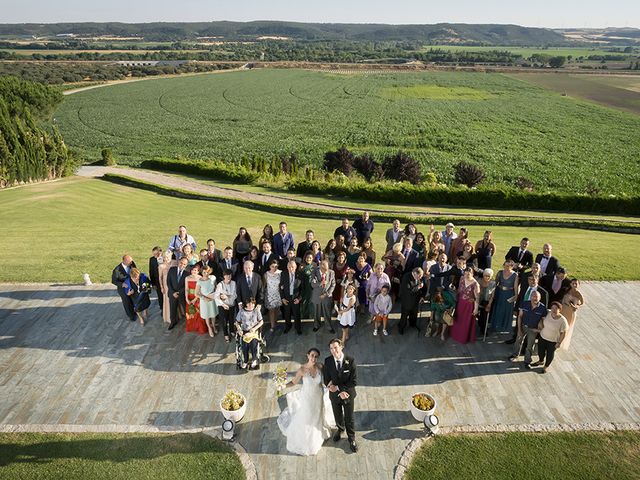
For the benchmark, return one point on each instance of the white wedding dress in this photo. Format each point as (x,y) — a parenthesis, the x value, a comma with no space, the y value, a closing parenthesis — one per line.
(308,418)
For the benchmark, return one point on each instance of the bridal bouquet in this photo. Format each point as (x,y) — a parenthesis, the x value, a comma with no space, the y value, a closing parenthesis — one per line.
(280,379)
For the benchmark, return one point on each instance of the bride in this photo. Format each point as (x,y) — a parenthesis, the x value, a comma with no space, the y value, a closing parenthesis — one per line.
(308,418)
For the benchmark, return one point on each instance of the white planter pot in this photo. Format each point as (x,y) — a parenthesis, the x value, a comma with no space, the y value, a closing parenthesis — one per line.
(420,414)
(234,415)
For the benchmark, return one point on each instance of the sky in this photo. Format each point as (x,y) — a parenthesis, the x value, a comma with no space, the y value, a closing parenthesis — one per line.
(530,13)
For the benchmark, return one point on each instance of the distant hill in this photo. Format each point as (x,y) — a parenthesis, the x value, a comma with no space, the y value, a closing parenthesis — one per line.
(442,33)
(615,36)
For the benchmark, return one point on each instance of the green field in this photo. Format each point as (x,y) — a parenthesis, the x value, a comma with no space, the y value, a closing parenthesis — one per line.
(566,456)
(509,127)
(81,456)
(80,225)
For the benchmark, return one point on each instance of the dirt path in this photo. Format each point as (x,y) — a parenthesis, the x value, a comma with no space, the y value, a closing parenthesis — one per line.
(195,186)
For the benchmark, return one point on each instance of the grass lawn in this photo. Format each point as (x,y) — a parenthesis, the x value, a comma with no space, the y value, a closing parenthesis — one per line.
(55,232)
(529,456)
(71,456)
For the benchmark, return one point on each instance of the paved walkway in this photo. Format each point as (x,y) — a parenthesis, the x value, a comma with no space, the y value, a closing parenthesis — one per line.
(67,356)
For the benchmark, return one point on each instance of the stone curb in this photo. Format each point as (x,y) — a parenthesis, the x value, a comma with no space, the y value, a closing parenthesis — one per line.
(245,459)
(415,444)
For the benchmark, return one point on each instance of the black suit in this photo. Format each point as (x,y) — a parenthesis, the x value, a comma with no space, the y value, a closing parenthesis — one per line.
(154,279)
(345,380)
(552,265)
(411,290)
(303,247)
(556,296)
(245,292)
(525,259)
(118,276)
(439,278)
(285,294)
(264,260)
(544,296)
(223,266)
(410,261)
(176,284)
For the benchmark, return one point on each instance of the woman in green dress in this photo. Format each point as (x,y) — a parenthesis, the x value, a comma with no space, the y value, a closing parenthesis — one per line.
(442,301)
(307,269)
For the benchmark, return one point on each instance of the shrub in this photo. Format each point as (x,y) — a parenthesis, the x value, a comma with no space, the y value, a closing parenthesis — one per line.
(523,183)
(468,174)
(340,160)
(430,179)
(107,157)
(401,167)
(368,167)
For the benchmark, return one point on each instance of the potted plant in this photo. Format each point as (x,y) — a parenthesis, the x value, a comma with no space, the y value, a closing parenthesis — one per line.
(422,404)
(233,405)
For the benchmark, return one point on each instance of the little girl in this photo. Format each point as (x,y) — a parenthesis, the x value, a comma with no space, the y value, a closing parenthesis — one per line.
(382,306)
(347,312)
(349,279)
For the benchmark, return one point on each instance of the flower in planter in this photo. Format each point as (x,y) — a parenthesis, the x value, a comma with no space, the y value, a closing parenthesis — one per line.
(232,400)
(422,401)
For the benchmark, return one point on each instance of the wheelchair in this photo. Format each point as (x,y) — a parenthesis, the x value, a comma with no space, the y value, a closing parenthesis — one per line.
(261,355)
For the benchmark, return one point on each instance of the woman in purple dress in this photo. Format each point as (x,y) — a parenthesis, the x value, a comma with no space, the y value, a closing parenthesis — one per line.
(464,322)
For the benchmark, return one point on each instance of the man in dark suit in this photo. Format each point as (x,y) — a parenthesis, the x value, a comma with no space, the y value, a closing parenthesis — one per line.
(265,258)
(457,271)
(412,290)
(394,235)
(548,263)
(339,375)
(118,276)
(176,286)
(249,285)
(214,256)
(291,294)
(304,247)
(346,231)
(228,263)
(440,274)
(363,227)
(521,257)
(557,285)
(524,295)
(154,279)
(291,256)
(533,285)
(410,255)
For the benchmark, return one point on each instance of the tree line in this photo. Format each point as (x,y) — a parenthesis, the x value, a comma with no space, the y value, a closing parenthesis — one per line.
(30,147)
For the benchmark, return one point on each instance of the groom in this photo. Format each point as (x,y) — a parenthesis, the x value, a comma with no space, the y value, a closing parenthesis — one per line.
(339,374)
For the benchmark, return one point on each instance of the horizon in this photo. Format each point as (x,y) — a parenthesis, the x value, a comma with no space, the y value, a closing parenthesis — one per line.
(321,23)
(547,14)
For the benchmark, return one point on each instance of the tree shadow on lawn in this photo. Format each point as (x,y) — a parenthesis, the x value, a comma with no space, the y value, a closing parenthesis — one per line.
(122,448)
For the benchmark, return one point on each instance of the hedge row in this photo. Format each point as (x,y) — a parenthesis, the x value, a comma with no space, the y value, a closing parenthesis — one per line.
(380,216)
(404,192)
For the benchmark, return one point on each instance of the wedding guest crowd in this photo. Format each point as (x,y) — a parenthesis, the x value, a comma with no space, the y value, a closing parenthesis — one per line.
(442,272)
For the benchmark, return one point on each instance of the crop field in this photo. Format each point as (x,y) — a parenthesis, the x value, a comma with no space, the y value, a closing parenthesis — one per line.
(509,127)
(621,92)
(526,52)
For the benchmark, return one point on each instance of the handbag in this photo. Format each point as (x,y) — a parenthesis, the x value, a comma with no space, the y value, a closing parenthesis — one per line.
(447,316)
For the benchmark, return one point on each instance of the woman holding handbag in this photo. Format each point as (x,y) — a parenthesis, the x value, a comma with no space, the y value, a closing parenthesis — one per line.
(442,305)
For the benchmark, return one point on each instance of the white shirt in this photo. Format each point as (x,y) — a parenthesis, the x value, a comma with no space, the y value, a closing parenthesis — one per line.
(339,362)
(544,262)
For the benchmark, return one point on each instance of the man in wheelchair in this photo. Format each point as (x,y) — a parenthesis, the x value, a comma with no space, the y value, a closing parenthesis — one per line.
(248,324)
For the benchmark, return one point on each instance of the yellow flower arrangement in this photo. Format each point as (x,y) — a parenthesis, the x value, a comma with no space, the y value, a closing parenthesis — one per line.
(232,400)
(422,401)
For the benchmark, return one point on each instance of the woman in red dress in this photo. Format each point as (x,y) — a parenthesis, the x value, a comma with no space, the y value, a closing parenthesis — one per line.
(464,322)
(195,323)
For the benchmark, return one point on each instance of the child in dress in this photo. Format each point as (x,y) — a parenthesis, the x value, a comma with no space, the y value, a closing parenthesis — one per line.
(382,306)
(347,311)
(349,279)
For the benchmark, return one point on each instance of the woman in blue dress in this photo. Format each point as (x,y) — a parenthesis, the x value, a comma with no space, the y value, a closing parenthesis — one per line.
(137,286)
(503,299)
